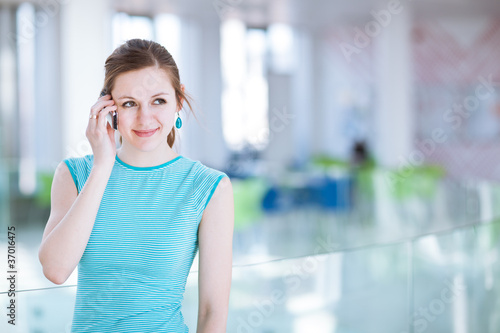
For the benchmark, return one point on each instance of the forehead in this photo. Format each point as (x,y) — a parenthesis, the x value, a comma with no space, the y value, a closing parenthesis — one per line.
(142,81)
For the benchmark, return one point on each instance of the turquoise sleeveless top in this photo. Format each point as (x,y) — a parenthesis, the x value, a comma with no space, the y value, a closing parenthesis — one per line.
(132,275)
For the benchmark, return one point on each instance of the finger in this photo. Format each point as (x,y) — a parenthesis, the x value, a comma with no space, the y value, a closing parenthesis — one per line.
(105,96)
(104,99)
(93,118)
(100,104)
(111,133)
(102,115)
(96,108)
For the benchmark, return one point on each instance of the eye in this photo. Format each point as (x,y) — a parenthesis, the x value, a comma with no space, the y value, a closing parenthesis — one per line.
(159,101)
(128,104)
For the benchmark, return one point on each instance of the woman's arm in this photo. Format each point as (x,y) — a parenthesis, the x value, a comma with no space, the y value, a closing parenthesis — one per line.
(72,215)
(215,259)
(70,222)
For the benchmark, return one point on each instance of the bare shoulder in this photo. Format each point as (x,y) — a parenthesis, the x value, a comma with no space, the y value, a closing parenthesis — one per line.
(224,186)
(221,202)
(224,190)
(63,181)
(63,194)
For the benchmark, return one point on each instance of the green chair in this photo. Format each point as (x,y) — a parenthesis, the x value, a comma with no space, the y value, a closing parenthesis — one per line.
(248,194)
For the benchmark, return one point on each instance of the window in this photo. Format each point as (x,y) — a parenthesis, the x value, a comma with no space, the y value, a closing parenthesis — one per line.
(129,26)
(245,87)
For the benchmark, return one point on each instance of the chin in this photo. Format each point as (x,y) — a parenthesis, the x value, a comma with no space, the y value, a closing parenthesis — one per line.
(148,147)
(151,145)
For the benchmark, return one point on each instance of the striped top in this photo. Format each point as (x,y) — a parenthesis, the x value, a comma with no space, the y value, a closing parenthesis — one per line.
(132,275)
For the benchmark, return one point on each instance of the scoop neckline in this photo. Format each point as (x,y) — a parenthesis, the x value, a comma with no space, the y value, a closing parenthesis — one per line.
(178,157)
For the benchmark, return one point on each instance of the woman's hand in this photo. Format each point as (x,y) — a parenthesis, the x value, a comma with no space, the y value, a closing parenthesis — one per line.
(100,133)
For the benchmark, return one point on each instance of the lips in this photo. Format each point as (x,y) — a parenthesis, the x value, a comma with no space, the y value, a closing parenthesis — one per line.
(146,133)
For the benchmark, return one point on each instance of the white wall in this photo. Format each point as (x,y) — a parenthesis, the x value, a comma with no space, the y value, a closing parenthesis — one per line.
(301,107)
(48,117)
(202,138)
(85,45)
(394,91)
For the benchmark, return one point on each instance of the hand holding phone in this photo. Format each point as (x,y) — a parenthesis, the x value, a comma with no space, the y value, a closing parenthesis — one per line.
(101,136)
(112,117)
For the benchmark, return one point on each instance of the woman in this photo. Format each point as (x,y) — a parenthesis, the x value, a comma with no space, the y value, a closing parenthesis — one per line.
(133,218)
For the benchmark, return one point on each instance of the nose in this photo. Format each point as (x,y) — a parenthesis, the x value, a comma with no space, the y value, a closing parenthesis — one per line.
(144,113)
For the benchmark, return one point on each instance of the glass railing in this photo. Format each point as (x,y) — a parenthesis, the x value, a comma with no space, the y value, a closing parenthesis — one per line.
(417,263)
(442,282)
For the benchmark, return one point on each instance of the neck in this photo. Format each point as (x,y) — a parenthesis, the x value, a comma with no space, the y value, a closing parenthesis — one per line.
(140,158)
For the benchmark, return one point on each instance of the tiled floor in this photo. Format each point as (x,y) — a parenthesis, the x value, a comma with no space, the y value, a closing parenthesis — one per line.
(430,263)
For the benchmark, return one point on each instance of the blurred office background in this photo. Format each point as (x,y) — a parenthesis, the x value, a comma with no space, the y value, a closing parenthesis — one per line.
(362,139)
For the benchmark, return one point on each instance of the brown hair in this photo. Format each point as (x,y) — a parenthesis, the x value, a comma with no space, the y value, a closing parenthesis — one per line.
(137,54)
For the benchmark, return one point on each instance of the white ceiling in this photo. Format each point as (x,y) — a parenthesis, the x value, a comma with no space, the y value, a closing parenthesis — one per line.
(313,13)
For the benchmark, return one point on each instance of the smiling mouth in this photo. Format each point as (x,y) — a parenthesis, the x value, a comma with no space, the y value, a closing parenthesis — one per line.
(146,133)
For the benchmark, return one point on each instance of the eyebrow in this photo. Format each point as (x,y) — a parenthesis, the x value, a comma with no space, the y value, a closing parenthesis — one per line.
(158,94)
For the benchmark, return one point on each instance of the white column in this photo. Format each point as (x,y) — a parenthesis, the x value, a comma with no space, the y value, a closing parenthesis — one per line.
(47,92)
(329,137)
(291,108)
(26,106)
(393,90)
(8,82)
(85,45)
(393,109)
(203,139)
(280,150)
(301,110)
(190,134)
(7,108)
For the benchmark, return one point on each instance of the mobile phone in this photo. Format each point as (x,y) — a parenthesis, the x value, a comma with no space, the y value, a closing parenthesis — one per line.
(112,117)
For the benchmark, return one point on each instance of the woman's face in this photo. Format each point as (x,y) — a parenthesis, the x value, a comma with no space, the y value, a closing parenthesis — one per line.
(146,108)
